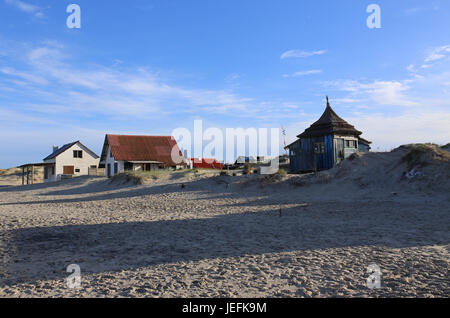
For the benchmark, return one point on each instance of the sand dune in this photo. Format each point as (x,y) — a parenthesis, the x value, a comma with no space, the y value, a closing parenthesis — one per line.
(13,176)
(244,236)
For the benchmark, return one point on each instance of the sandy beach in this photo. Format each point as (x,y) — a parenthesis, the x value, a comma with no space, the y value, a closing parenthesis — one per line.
(233,236)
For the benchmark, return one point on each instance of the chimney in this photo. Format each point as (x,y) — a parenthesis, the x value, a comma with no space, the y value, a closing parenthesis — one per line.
(55,148)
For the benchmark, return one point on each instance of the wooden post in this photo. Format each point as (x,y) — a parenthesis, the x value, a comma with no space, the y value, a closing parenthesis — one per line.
(23,175)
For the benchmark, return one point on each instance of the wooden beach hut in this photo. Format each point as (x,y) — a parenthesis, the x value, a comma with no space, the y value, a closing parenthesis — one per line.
(325,143)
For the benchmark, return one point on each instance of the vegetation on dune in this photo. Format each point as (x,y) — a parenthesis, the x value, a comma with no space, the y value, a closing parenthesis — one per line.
(421,154)
(10,171)
(144,177)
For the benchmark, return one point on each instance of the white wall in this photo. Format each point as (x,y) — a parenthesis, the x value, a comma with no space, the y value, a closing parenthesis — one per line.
(66,159)
(348,151)
(110,160)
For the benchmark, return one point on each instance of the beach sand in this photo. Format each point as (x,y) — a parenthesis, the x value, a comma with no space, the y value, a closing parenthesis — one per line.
(243,236)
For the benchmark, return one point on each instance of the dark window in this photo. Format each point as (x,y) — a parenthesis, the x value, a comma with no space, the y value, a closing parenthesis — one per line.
(116,167)
(319,147)
(77,170)
(93,167)
(78,154)
(350,144)
(53,170)
(45,173)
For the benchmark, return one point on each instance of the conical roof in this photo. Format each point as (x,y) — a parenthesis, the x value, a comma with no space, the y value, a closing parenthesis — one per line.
(330,123)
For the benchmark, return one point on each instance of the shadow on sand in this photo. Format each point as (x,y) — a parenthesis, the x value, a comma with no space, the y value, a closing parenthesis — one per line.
(43,253)
(79,187)
(78,181)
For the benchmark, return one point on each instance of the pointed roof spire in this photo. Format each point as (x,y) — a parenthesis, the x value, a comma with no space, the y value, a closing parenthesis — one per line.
(330,123)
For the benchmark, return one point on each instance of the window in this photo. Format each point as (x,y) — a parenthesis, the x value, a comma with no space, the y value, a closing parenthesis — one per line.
(78,154)
(350,144)
(319,147)
(77,170)
(116,167)
(53,170)
(93,167)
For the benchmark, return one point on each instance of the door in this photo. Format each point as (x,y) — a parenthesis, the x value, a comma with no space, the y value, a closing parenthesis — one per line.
(339,150)
(108,170)
(69,170)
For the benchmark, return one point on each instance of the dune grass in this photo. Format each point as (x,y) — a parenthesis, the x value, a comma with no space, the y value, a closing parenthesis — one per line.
(421,154)
(144,177)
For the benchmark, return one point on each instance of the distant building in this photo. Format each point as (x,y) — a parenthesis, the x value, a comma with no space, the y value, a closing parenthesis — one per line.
(207,163)
(325,143)
(263,159)
(251,159)
(244,159)
(140,153)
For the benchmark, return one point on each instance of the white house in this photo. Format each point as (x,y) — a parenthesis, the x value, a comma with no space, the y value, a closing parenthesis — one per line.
(70,160)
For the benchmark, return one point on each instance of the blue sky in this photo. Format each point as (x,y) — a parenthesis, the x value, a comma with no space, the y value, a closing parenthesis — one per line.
(148,67)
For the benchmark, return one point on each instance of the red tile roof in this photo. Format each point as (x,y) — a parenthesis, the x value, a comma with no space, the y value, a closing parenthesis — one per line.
(143,148)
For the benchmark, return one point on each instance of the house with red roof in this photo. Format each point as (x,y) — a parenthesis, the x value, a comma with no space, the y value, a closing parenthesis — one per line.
(140,153)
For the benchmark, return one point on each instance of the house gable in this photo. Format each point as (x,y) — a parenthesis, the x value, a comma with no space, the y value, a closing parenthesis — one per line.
(67,147)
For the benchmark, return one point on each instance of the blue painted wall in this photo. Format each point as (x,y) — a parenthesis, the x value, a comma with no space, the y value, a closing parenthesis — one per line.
(303,157)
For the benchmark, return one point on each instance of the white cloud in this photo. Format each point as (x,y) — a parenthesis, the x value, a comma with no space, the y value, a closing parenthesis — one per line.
(415,10)
(301,53)
(381,92)
(303,73)
(411,68)
(390,131)
(26,7)
(232,77)
(95,89)
(438,53)
(26,76)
